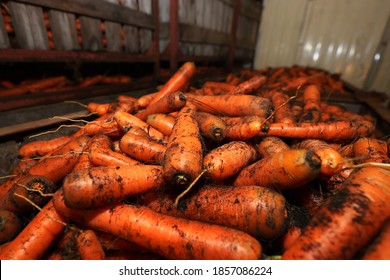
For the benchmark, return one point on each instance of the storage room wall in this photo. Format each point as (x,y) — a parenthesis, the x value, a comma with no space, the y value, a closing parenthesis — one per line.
(342,36)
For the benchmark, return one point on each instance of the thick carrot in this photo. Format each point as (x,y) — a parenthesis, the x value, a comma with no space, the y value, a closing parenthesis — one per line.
(245,127)
(104,185)
(40,148)
(249,86)
(211,126)
(370,150)
(36,238)
(10,226)
(228,159)
(311,100)
(105,124)
(84,160)
(271,145)
(112,242)
(170,102)
(162,122)
(283,112)
(348,220)
(331,160)
(143,101)
(232,105)
(232,79)
(176,82)
(379,247)
(89,246)
(282,171)
(259,211)
(168,236)
(342,130)
(33,188)
(99,108)
(23,165)
(221,87)
(142,147)
(127,99)
(183,158)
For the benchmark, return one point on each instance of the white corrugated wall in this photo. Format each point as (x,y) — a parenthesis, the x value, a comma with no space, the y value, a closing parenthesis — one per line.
(342,36)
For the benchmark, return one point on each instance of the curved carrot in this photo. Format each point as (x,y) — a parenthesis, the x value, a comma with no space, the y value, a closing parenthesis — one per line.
(104,185)
(283,112)
(36,238)
(347,222)
(259,211)
(245,127)
(10,226)
(176,82)
(282,171)
(170,237)
(143,101)
(183,158)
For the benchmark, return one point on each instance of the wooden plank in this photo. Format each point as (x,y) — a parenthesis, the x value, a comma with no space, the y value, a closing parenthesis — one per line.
(63,26)
(113,34)
(91,34)
(98,9)
(4,40)
(145,35)
(131,39)
(29,26)
(195,34)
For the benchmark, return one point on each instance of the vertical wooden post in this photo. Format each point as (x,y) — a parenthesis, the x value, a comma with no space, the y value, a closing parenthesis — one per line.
(156,38)
(173,34)
(233,35)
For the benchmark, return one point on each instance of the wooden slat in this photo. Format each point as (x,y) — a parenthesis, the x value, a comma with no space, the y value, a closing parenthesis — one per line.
(145,35)
(98,9)
(131,39)
(29,26)
(113,34)
(196,34)
(91,34)
(4,40)
(63,26)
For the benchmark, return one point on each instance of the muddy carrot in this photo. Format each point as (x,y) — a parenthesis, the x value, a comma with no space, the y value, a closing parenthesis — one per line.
(249,86)
(89,246)
(162,122)
(370,150)
(10,226)
(271,145)
(211,126)
(245,127)
(40,148)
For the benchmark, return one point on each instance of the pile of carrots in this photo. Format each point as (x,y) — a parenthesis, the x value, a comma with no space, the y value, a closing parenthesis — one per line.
(232,169)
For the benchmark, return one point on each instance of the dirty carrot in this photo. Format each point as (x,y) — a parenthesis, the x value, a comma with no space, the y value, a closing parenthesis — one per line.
(10,225)
(176,82)
(90,81)
(162,122)
(311,100)
(168,236)
(282,171)
(349,219)
(370,150)
(36,238)
(40,148)
(211,126)
(89,246)
(104,185)
(283,112)
(244,127)
(379,247)
(270,145)
(183,158)
(249,86)
(143,101)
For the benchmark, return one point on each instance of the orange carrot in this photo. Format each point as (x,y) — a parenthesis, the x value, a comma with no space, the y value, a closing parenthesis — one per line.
(105,124)
(221,87)
(379,247)
(118,79)
(23,165)
(342,130)
(99,108)
(259,211)
(89,246)
(162,122)
(176,82)
(249,86)
(349,219)
(183,158)
(211,126)
(282,171)
(370,150)
(170,102)
(36,238)
(245,127)
(271,145)
(283,112)
(112,242)
(144,100)
(10,226)
(90,81)
(228,159)
(312,100)
(40,148)
(104,185)
(165,235)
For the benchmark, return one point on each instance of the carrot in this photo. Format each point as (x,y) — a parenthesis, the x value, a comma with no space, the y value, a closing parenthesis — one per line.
(249,86)
(348,220)
(10,226)
(183,158)
(244,127)
(258,211)
(162,122)
(127,99)
(89,246)
(168,236)
(211,126)
(90,81)
(36,238)
(31,187)
(271,145)
(142,147)
(104,185)
(40,148)
(99,108)
(221,87)
(176,82)
(84,160)
(282,171)
(171,102)
(283,112)
(115,243)
(370,150)
(232,79)
(105,124)
(131,255)
(312,100)
(297,108)
(331,160)
(228,159)
(342,130)
(126,121)
(144,100)
(118,79)
(379,247)
(23,165)
(232,105)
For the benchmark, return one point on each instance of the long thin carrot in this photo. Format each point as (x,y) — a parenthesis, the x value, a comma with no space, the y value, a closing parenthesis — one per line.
(259,211)
(283,112)
(282,171)
(38,235)
(183,159)
(168,236)
(312,100)
(347,222)
(104,185)
(176,82)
